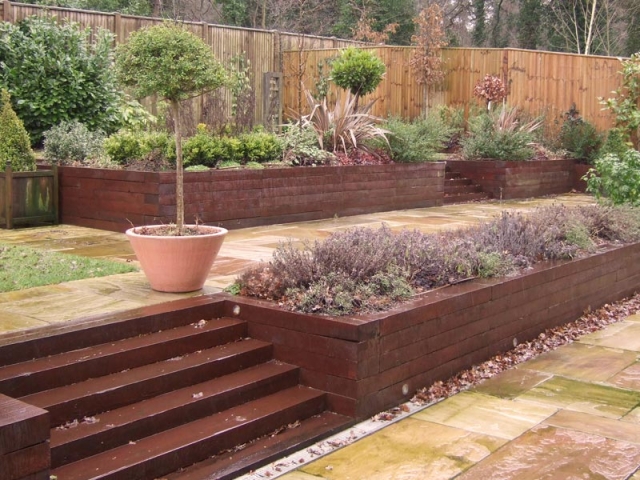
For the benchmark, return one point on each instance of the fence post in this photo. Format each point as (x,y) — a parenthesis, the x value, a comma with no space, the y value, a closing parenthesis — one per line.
(56,194)
(116,27)
(6,11)
(8,190)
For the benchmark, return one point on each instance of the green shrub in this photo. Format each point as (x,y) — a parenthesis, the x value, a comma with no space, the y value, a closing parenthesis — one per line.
(358,71)
(616,143)
(14,140)
(260,147)
(579,137)
(616,178)
(417,140)
(126,145)
(71,142)
(202,149)
(491,136)
(300,146)
(55,73)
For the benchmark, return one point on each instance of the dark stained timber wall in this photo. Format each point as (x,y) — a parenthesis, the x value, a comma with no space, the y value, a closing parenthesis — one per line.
(364,361)
(116,199)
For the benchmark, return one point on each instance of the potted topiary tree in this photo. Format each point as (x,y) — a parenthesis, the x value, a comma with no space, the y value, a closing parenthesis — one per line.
(27,196)
(169,61)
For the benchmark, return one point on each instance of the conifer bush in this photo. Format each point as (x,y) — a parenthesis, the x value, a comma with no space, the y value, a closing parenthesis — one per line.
(14,139)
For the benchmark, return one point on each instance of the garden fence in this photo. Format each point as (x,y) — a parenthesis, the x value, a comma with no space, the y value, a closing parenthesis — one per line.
(538,82)
(262,48)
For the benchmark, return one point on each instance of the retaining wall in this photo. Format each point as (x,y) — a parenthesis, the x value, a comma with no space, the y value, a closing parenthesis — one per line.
(116,199)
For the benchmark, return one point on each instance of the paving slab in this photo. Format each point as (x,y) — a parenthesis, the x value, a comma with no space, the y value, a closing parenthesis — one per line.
(586,397)
(409,450)
(512,383)
(547,452)
(624,335)
(583,362)
(479,413)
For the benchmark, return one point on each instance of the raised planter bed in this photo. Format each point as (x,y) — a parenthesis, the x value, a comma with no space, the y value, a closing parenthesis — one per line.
(115,199)
(28,198)
(370,363)
(508,180)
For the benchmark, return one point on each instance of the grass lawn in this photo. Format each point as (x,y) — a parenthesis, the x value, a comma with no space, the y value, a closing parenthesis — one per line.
(23,267)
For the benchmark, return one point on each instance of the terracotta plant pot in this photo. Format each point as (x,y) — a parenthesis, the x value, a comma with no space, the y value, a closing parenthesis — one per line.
(176,264)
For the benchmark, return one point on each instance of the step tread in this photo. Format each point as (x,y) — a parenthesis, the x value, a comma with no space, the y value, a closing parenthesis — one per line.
(139,378)
(462,189)
(18,378)
(162,453)
(466,197)
(265,449)
(454,182)
(107,430)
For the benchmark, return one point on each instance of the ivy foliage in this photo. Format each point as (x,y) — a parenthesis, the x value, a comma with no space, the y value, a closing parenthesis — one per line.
(358,71)
(55,73)
(14,140)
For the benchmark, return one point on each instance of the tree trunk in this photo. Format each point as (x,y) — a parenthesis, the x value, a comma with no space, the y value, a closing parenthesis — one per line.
(175,109)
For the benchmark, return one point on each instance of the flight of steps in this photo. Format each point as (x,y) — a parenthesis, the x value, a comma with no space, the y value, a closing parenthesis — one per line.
(458,189)
(193,401)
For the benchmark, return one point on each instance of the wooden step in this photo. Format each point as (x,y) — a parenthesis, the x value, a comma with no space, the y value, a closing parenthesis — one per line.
(462,189)
(132,422)
(166,452)
(78,365)
(96,395)
(465,198)
(456,182)
(267,449)
(449,175)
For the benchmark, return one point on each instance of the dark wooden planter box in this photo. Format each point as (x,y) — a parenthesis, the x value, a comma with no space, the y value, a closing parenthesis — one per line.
(508,180)
(371,363)
(28,198)
(115,199)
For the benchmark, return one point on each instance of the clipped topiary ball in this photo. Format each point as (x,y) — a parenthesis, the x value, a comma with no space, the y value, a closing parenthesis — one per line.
(15,146)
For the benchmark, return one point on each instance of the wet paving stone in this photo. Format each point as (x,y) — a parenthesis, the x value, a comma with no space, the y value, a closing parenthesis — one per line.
(583,397)
(485,414)
(547,452)
(511,383)
(624,335)
(604,427)
(583,362)
(627,378)
(409,450)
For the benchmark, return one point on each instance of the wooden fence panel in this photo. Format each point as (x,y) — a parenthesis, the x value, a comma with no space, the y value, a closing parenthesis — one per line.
(538,82)
(262,48)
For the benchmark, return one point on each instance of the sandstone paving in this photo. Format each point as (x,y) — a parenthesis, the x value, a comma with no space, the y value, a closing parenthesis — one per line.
(550,453)
(586,397)
(627,378)
(475,412)
(512,383)
(624,335)
(584,362)
(594,424)
(409,450)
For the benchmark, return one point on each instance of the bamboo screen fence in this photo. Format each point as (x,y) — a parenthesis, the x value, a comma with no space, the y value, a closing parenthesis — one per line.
(262,48)
(538,82)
